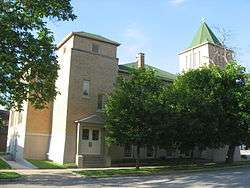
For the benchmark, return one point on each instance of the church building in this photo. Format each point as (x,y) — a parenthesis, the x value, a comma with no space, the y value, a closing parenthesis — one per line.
(71,130)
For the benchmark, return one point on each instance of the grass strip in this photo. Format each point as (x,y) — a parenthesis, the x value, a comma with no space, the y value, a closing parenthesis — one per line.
(9,175)
(4,165)
(158,170)
(45,164)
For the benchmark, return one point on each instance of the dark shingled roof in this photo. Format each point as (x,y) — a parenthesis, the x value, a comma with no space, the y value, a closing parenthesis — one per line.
(96,37)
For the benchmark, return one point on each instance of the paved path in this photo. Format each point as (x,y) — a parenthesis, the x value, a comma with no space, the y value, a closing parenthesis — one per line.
(233,178)
(20,164)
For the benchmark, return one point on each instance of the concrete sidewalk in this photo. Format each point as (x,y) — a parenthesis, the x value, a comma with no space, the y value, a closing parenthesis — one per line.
(20,164)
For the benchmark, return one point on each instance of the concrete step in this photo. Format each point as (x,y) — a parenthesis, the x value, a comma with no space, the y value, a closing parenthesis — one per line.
(93,161)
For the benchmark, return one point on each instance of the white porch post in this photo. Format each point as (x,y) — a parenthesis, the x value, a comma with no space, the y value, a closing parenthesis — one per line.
(79,159)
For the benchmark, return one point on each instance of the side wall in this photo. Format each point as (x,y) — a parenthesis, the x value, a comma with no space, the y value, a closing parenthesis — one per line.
(16,133)
(60,107)
(194,58)
(38,132)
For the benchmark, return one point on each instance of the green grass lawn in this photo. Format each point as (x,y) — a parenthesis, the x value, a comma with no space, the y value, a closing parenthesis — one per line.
(158,170)
(9,175)
(4,165)
(44,164)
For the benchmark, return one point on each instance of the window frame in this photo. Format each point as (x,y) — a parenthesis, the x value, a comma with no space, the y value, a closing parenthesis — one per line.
(83,134)
(131,151)
(153,152)
(95,47)
(83,88)
(98,138)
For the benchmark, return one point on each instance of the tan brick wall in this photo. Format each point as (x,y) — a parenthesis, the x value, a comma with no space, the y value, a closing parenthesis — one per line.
(36,146)
(39,121)
(218,55)
(101,71)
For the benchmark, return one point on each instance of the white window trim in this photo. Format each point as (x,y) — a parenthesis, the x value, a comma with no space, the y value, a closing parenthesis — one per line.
(85,96)
(131,155)
(149,157)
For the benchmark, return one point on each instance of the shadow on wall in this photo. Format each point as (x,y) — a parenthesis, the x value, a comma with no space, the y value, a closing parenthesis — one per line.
(3,138)
(14,151)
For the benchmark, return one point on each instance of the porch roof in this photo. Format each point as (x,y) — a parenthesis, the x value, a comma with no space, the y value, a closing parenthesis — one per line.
(92,119)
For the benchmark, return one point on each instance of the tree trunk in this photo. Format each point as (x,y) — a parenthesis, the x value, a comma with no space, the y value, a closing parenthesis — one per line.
(138,157)
(230,153)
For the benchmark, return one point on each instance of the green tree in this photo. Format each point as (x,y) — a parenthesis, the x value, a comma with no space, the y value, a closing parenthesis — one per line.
(131,112)
(28,65)
(212,108)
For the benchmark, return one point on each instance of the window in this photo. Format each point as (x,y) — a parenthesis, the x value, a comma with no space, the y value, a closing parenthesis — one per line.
(95,135)
(195,59)
(86,88)
(199,58)
(100,102)
(127,150)
(190,61)
(150,151)
(85,134)
(186,62)
(95,48)
(20,117)
(169,153)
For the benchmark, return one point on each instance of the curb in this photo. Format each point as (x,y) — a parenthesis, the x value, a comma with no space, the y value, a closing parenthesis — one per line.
(172,172)
(12,179)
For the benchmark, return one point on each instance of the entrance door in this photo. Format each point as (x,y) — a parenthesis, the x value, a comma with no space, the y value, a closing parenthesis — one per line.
(91,141)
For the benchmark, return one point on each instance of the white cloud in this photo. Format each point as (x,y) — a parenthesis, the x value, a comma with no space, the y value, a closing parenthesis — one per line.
(177,2)
(134,40)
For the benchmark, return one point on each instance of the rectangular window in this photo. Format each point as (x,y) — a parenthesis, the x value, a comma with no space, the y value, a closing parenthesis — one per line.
(199,58)
(190,61)
(186,62)
(127,150)
(169,153)
(150,151)
(195,59)
(85,134)
(85,88)
(20,117)
(95,135)
(100,101)
(95,48)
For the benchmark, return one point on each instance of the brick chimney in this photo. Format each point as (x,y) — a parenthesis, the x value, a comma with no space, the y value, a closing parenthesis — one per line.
(140,60)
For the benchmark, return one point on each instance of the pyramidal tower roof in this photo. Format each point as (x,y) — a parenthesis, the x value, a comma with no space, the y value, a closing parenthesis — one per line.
(204,35)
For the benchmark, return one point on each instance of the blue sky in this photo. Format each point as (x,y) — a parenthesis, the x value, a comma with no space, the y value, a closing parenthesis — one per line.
(159,28)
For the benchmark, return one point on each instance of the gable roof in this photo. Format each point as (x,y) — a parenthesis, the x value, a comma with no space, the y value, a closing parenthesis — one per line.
(89,36)
(167,76)
(96,37)
(204,35)
(93,119)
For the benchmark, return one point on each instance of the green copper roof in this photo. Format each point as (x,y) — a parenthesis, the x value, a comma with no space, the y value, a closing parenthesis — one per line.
(204,35)
(160,73)
(96,37)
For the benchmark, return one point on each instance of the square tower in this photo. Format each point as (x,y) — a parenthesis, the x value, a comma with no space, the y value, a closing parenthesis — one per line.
(204,49)
(88,70)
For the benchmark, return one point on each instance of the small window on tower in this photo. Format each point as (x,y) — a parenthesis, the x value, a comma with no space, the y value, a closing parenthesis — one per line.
(100,101)
(95,48)
(86,88)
